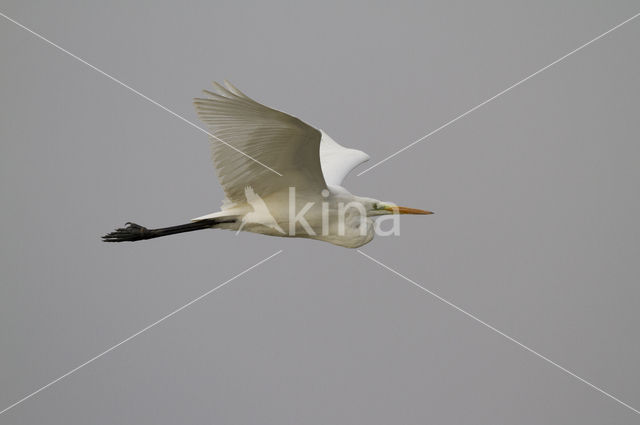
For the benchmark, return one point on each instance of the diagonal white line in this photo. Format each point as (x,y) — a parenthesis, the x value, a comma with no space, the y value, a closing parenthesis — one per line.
(147,98)
(157,322)
(499,332)
(500,94)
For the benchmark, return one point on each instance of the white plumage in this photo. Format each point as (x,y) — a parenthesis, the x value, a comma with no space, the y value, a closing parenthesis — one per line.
(281,177)
(308,159)
(338,161)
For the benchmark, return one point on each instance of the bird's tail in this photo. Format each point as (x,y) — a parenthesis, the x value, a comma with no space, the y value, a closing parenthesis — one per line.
(134,232)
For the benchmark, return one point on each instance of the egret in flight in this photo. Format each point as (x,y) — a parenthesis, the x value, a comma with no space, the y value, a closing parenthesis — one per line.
(281,177)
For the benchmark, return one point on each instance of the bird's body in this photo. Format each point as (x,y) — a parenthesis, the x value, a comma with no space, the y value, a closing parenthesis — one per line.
(274,218)
(281,177)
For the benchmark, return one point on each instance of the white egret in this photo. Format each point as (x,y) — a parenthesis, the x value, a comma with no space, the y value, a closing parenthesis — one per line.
(281,177)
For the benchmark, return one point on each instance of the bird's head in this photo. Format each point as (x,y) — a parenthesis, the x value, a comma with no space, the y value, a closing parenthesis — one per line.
(375,207)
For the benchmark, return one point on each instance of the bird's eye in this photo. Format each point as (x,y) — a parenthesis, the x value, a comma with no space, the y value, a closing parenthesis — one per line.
(375,205)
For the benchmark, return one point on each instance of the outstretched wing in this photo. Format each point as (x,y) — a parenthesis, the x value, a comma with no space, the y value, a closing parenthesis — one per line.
(338,161)
(249,134)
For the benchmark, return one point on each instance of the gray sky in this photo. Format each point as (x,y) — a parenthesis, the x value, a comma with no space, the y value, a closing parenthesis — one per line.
(536,230)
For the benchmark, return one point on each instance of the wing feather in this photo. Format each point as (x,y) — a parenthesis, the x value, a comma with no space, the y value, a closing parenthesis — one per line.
(275,139)
(338,161)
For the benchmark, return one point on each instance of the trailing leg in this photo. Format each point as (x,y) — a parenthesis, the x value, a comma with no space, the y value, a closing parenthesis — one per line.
(134,232)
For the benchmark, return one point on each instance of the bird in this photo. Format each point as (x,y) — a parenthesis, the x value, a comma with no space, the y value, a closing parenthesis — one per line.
(281,177)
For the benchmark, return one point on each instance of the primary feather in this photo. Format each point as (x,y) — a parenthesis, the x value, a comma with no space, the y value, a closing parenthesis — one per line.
(280,141)
(307,158)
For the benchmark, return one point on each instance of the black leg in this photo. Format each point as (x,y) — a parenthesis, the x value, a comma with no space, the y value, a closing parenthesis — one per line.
(134,232)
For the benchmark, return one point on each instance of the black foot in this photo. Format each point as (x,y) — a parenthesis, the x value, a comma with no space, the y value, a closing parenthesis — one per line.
(131,232)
